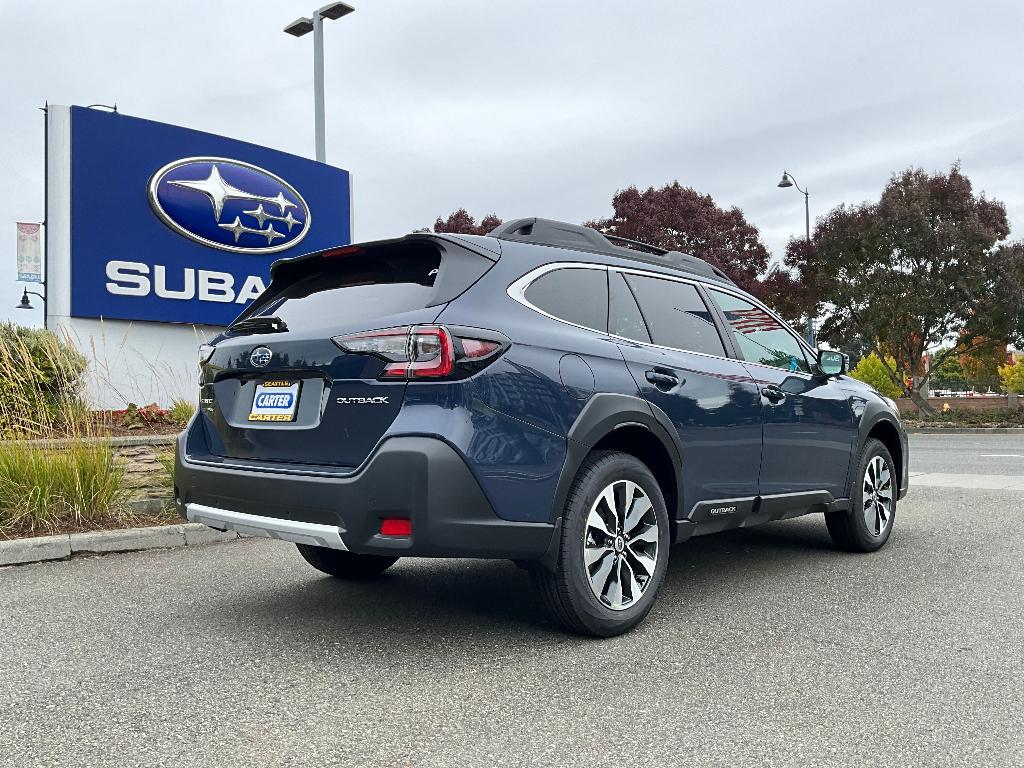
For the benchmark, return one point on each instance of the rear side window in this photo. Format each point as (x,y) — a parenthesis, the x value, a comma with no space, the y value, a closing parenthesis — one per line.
(760,337)
(624,318)
(578,296)
(676,315)
(371,283)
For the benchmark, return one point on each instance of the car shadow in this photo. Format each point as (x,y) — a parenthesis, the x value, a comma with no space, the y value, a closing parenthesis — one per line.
(420,604)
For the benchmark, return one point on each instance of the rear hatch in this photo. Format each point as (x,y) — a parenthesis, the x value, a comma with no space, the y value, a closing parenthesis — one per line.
(297,378)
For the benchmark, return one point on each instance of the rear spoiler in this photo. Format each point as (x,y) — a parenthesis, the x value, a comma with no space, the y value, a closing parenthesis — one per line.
(488,247)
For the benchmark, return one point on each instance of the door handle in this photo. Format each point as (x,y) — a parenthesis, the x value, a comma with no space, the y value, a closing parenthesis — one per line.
(773,393)
(664,379)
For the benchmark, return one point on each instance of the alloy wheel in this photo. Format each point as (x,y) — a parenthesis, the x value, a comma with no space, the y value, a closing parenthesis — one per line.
(620,544)
(877,496)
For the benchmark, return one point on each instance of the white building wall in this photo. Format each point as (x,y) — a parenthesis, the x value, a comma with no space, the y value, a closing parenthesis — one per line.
(136,362)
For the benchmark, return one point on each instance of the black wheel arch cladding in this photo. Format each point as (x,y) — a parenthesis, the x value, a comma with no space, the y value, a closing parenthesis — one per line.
(603,414)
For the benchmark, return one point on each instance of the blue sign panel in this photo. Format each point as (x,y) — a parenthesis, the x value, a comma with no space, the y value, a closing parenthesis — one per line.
(175,225)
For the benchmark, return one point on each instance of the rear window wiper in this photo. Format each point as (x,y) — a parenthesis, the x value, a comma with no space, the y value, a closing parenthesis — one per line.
(260,324)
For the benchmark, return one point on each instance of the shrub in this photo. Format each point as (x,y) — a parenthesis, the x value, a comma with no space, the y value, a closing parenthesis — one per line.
(871,371)
(40,382)
(1012,376)
(181,411)
(48,488)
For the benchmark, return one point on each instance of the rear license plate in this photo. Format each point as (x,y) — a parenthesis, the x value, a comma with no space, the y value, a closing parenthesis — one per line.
(275,401)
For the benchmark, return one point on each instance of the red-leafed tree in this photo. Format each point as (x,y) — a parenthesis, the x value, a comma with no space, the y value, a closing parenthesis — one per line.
(461,223)
(682,219)
(926,266)
(981,364)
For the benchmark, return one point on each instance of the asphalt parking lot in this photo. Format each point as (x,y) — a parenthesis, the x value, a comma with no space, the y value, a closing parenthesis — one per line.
(767,647)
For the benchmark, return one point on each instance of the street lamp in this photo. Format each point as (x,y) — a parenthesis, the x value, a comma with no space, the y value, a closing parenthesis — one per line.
(789,181)
(304,26)
(25,302)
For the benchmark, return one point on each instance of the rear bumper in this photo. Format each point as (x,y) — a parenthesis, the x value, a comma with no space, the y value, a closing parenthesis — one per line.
(421,478)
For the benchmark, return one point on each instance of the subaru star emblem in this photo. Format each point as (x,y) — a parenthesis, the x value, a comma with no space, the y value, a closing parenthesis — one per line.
(229,204)
(260,357)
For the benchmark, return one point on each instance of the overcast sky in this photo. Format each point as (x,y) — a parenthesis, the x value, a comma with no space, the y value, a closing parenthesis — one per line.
(543,108)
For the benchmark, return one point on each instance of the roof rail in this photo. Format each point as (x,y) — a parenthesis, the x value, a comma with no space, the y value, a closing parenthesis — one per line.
(577,237)
(635,244)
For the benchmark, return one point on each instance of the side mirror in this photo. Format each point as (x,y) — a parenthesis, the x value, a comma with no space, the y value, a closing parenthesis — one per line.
(831,363)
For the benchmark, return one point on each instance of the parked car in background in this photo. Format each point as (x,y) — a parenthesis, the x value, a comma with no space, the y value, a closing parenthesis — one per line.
(574,402)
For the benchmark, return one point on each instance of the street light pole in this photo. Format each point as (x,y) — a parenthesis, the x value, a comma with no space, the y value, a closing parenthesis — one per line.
(304,26)
(789,181)
(318,86)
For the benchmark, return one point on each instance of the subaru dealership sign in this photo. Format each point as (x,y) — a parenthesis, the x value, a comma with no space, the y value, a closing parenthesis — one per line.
(158,236)
(174,225)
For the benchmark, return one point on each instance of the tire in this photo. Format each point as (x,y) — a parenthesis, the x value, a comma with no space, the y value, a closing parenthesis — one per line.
(633,555)
(866,529)
(345,565)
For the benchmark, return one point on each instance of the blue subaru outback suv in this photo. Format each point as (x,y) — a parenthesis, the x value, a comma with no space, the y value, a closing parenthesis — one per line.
(574,402)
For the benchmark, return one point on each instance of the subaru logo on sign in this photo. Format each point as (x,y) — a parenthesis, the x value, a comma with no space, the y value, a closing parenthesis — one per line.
(260,357)
(229,204)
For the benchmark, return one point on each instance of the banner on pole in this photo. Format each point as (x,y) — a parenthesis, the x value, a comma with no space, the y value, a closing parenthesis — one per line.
(30,261)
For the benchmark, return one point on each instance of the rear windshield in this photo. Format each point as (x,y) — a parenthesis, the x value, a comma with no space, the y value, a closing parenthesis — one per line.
(373,283)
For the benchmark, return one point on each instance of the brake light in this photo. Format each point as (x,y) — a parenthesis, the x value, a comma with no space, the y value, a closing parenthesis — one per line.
(347,250)
(423,351)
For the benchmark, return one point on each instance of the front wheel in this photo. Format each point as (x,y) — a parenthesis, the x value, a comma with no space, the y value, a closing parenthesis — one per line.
(614,549)
(345,565)
(866,526)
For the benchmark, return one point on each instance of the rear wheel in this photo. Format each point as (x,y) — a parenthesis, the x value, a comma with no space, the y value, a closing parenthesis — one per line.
(614,549)
(345,565)
(866,526)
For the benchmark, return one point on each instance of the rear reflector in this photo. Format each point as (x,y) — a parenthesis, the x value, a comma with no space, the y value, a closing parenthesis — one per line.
(396,526)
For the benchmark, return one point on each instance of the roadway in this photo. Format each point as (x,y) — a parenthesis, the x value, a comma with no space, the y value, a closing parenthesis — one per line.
(767,647)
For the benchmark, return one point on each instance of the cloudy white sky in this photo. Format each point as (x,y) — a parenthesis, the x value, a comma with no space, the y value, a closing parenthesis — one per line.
(543,108)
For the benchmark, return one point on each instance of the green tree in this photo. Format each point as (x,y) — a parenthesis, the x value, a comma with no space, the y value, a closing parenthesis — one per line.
(948,374)
(926,265)
(1012,376)
(871,371)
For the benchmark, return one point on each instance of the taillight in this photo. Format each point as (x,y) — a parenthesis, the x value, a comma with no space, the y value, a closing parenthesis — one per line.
(431,352)
(426,351)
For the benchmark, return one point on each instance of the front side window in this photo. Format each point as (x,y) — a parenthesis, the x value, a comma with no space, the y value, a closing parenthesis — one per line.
(578,296)
(676,315)
(760,337)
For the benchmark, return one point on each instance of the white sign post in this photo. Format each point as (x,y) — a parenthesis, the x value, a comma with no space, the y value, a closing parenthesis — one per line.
(30,260)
